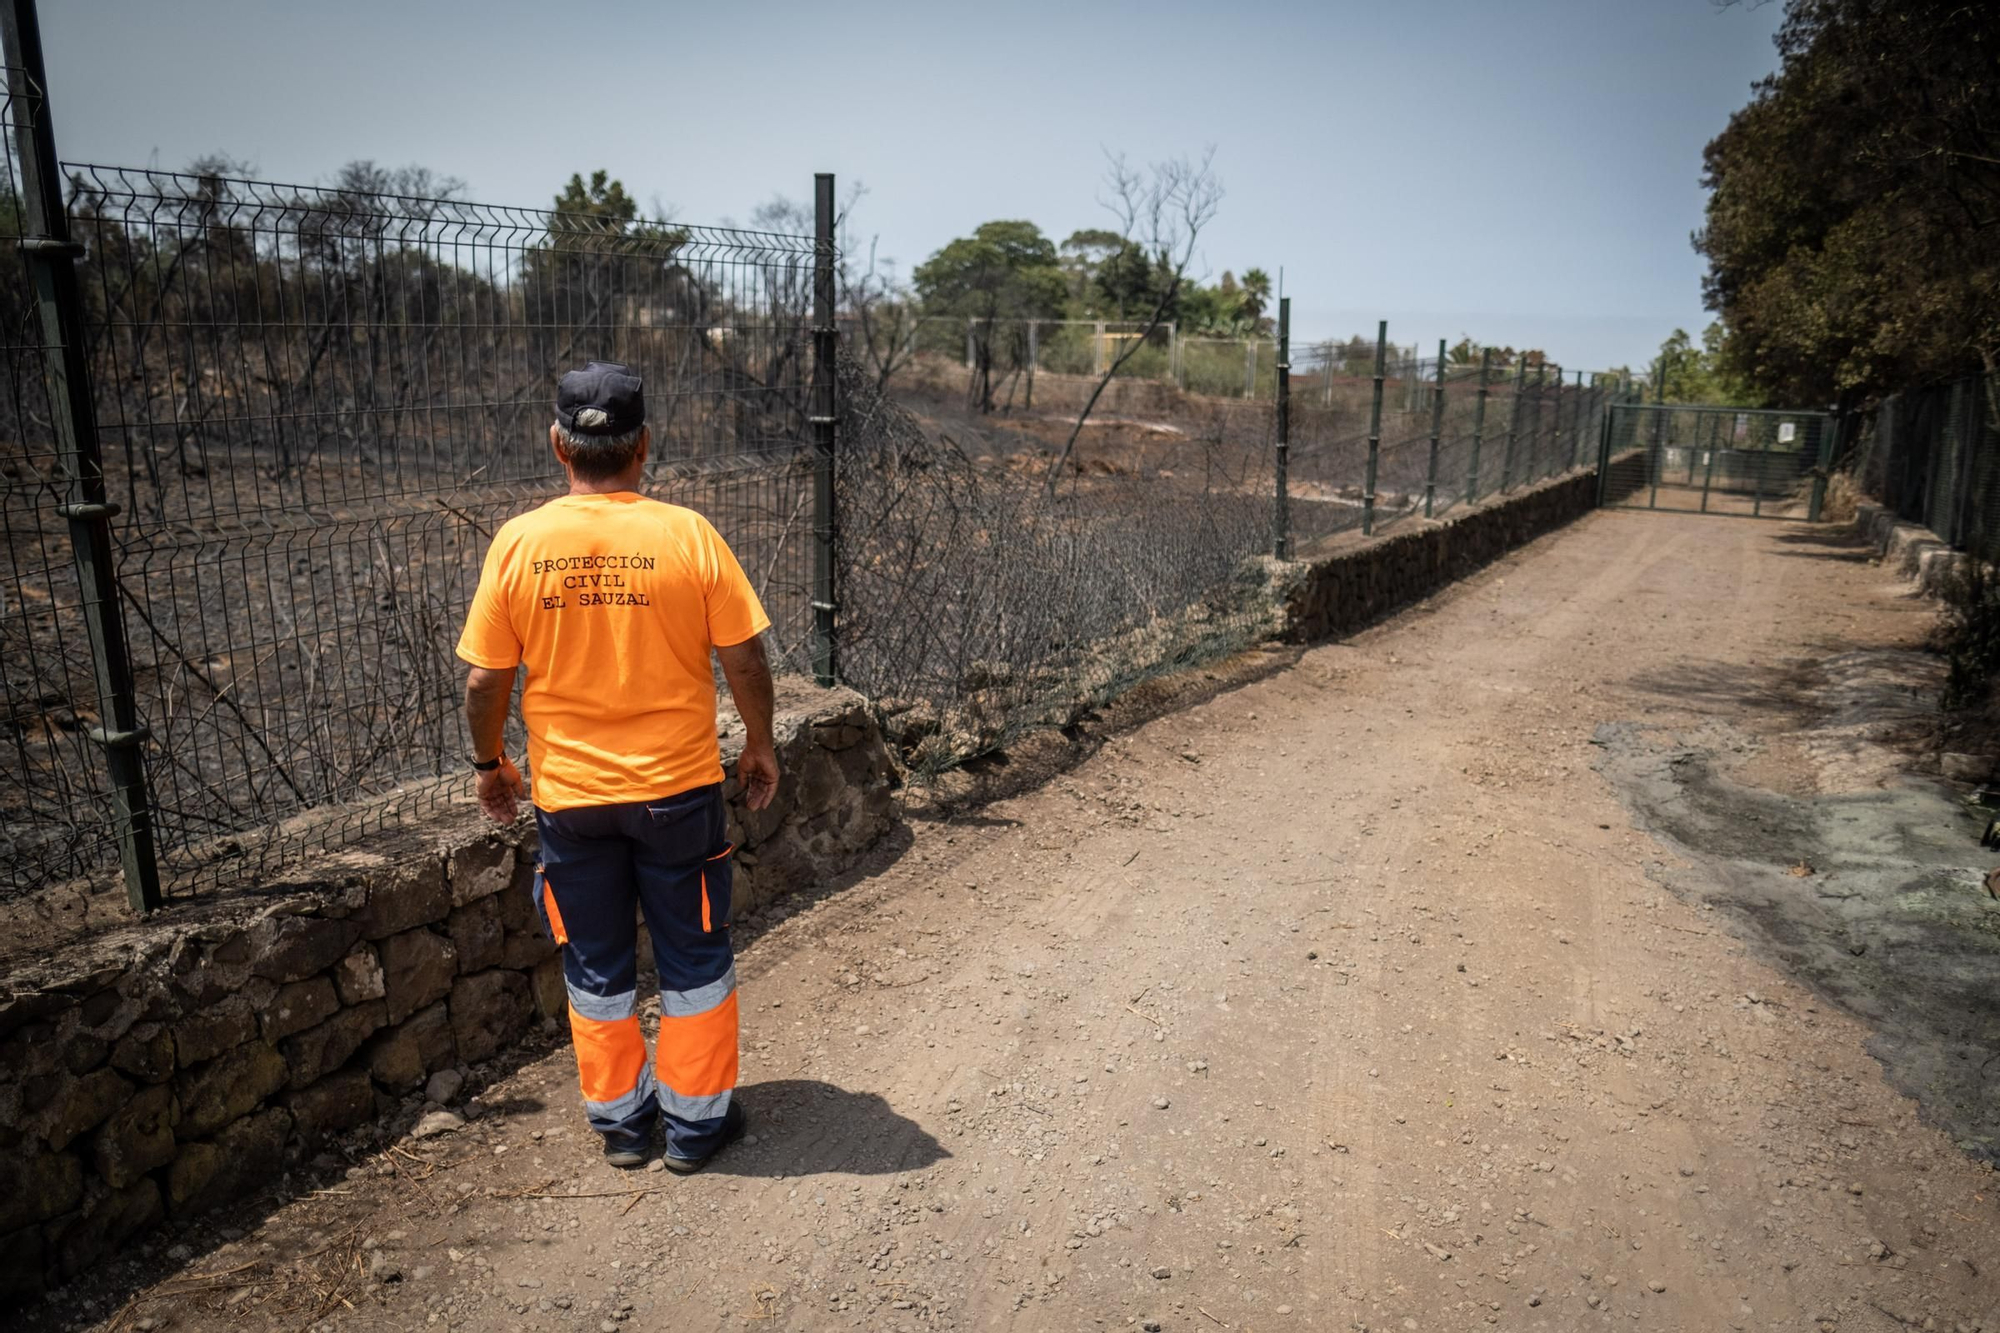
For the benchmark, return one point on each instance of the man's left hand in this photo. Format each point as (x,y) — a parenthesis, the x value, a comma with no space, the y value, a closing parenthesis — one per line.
(501,792)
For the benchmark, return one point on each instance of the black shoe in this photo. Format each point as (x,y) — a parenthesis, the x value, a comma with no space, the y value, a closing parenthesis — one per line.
(626,1151)
(734,1121)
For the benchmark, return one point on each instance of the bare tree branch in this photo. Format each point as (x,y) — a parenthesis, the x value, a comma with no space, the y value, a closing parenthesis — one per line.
(1163,209)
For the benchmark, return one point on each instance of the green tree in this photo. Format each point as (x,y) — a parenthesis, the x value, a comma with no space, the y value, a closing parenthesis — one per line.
(1703,374)
(1004,272)
(1855,203)
(600,267)
(1083,256)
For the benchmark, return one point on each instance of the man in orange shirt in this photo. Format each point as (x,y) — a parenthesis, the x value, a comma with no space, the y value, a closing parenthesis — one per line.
(614,602)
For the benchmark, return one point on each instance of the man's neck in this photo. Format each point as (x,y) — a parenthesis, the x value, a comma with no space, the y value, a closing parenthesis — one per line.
(612,486)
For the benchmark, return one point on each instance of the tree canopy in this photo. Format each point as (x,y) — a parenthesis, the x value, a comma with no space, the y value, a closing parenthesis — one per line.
(1853,229)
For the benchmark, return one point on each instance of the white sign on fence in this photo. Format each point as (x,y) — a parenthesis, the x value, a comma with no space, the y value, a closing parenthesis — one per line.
(1788,431)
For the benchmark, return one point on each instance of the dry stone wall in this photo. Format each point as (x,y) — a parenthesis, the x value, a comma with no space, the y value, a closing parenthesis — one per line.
(187,1061)
(1349,587)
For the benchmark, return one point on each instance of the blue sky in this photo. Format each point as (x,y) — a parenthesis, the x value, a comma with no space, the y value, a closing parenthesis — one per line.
(1525,173)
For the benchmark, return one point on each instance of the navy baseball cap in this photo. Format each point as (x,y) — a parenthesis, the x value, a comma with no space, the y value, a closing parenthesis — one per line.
(604,398)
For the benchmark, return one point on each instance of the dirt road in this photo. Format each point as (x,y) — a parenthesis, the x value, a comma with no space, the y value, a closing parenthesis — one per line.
(1351,999)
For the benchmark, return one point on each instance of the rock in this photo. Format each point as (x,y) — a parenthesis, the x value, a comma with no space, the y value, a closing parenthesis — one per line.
(444,1087)
(292,948)
(226,1089)
(526,943)
(1656,1286)
(359,976)
(417,968)
(549,989)
(339,1101)
(1160,1103)
(488,1011)
(402,1057)
(318,1051)
(381,1268)
(106,1221)
(437,1122)
(415,895)
(1966,767)
(477,934)
(82,1104)
(146,1052)
(1163,1272)
(221,1026)
(21,1270)
(138,1137)
(297,1006)
(245,1156)
(480,869)
(35,1186)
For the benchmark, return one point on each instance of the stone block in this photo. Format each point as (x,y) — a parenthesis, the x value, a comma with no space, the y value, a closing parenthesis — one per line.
(403,1057)
(138,1137)
(21,1270)
(550,990)
(521,951)
(417,968)
(106,1221)
(488,1011)
(1966,767)
(318,1051)
(188,1176)
(83,1104)
(339,1101)
(32,1050)
(82,1052)
(108,1015)
(414,895)
(292,948)
(297,1006)
(480,869)
(477,934)
(146,1053)
(246,1155)
(359,976)
(36,1186)
(227,1088)
(221,1026)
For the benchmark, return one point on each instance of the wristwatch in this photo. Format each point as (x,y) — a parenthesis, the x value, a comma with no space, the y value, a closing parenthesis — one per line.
(489,765)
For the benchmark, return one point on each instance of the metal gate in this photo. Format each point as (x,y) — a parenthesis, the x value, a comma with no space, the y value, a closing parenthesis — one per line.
(1750,462)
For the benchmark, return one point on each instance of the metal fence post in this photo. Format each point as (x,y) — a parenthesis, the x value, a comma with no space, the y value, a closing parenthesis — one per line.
(826,661)
(1034,355)
(1437,428)
(1281,517)
(1374,433)
(1513,423)
(1576,424)
(1478,425)
(51,260)
(1830,429)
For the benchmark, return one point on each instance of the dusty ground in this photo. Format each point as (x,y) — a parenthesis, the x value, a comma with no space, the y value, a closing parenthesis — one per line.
(1351,999)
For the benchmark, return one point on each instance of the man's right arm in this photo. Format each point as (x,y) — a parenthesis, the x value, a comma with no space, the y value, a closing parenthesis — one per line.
(748,672)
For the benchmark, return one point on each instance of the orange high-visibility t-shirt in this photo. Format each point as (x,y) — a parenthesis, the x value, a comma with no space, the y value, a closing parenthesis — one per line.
(612,602)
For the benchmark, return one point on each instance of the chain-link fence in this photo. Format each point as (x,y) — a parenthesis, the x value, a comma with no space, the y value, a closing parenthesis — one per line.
(1496,428)
(314,408)
(1933,455)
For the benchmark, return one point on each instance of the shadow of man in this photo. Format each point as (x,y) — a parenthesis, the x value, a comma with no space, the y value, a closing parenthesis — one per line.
(805,1127)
